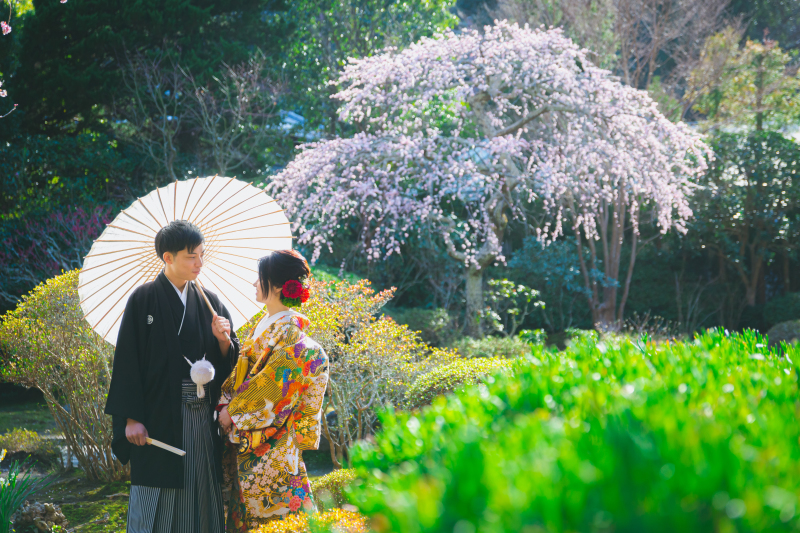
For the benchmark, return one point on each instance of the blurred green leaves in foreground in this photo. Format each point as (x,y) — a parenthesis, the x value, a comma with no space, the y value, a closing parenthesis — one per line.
(610,435)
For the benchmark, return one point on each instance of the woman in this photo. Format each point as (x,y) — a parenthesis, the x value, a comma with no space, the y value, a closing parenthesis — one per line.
(271,404)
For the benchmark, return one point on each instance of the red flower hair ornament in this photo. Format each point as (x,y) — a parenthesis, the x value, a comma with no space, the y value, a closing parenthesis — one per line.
(293,293)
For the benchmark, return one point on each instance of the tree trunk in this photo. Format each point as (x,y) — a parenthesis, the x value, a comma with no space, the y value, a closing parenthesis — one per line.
(474,302)
(607,311)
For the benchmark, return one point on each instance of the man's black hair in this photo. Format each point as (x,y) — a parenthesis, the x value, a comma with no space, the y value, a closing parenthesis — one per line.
(176,236)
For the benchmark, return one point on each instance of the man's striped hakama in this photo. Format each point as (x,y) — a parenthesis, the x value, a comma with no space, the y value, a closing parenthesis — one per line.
(197,508)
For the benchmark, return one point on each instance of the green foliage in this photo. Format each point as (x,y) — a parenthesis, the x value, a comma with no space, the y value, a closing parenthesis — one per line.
(329,33)
(533,336)
(69,60)
(775,19)
(508,304)
(503,347)
(44,173)
(46,343)
(751,86)
(328,490)
(555,270)
(452,377)
(435,326)
(748,209)
(17,487)
(688,437)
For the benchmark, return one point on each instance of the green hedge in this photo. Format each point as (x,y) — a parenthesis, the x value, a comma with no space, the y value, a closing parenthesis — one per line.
(507,347)
(328,490)
(690,437)
(448,378)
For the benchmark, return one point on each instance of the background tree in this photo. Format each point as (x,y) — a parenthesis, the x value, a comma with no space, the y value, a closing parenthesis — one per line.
(750,206)
(462,133)
(72,55)
(650,44)
(755,85)
(236,115)
(330,32)
(154,106)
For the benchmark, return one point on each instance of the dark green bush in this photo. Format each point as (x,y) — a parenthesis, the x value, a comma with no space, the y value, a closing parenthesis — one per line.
(782,309)
(626,437)
(435,326)
(448,378)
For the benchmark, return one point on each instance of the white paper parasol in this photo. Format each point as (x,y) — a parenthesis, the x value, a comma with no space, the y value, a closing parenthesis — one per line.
(240,223)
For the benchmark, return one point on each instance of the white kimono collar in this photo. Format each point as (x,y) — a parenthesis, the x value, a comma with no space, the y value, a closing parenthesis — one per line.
(267,321)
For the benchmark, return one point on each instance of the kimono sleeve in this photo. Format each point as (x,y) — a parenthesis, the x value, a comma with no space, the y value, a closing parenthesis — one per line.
(308,414)
(270,397)
(125,393)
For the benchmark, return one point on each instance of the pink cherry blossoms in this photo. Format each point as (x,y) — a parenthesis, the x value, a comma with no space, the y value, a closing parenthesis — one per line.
(464,131)
(5,27)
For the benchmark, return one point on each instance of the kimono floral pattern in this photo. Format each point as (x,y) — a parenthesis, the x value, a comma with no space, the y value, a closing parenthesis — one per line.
(276,412)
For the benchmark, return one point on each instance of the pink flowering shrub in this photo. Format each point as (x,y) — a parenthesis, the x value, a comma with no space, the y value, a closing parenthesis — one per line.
(462,132)
(36,248)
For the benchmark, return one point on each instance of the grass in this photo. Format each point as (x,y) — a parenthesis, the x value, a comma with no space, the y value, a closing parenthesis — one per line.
(28,414)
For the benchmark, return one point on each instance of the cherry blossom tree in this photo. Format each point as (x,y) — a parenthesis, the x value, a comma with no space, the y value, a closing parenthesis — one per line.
(462,133)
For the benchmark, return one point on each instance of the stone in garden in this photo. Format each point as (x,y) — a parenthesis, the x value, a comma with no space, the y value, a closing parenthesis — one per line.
(785,331)
(41,516)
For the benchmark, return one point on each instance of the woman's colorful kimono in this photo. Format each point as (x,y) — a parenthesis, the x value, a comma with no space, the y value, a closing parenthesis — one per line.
(276,412)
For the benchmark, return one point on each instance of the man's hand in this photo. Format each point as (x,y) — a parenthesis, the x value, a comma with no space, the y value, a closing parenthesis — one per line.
(225,419)
(136,433)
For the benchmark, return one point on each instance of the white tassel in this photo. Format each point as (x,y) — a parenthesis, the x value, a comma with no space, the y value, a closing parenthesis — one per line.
(202,372)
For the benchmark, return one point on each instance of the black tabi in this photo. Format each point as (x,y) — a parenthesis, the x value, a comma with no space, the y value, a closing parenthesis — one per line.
(148,371)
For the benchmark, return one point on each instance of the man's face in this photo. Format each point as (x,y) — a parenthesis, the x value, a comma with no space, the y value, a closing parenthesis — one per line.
(185,265)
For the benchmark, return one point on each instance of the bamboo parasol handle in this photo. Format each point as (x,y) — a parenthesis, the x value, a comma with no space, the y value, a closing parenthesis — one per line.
(203,294)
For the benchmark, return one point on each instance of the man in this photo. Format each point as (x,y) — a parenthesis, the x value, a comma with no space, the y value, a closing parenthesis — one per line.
(151,394)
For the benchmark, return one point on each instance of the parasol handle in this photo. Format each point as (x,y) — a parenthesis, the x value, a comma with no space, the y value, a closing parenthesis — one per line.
(164,446)
(203,294)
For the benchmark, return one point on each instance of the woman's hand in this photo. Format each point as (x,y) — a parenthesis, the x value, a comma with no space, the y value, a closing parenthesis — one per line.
(225,419)
(221,327)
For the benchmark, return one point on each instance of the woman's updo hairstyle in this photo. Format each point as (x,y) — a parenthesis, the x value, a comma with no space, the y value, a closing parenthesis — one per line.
(281,266)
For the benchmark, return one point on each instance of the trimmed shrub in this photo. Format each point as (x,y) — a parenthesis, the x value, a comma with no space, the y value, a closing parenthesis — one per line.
(506,347)
(21,443)
(676,436)
(328,490)
(449,378)
(335,520)
(46,343)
